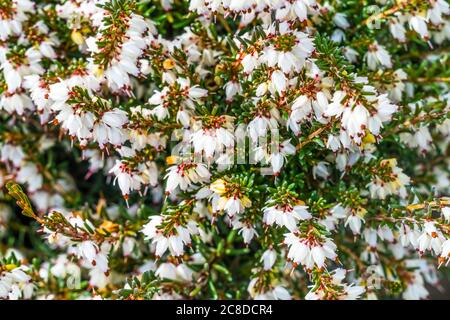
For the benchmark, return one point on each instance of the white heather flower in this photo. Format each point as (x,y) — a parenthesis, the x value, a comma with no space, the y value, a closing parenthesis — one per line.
(16,103)
(445,252)
(128,245)
(421,139)
(59,93)
(394,184)
(446,213)
(177,273)
(117,77)
(29,174)
(186,174)
(408,236)
(430,239)
(150,229)
(212,141)
(286,216)
(442,35)
(354,221)
(279,81)
(11,24)
(115,118)
(338,36)
(340,20)
(297,9)
(336,213)
(439,8)
(175,242)
(46,48)
(234,206)
(87,250)
(398,87)
(333,143)
(250,62)
(280,293)
(371,238)
(385,233)
(274,83)
(305,107)
(293,57)
(126,179)
(12,77)
(341,291)
(268,259)
(124,63)
(397,30)
(229,200)
(260,125)
(309,252)
(350,54)
(261,89)
(277,158)
(354,121)
(277,293)
(195,92)
(376,56)
(385,109)
(125,182)
(419,25)
(320,170)
(415,289)
(245,230)
(16,284)
(319,105)
(336,107)
(231,89)
(12,153)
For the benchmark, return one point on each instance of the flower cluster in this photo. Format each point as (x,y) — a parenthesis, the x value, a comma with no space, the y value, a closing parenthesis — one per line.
(270,149)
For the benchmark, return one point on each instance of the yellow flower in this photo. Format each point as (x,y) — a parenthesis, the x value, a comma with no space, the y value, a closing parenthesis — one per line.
(77,37)
(108,226)
(170,160)
(218,186)
(368,139)
(246,202)
(423,13)
(10,267)
(168,64)
(395,184)
(97,71)
(361,212)
(390,162)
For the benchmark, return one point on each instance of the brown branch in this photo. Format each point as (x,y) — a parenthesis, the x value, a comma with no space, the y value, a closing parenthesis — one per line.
(313,135)
(431,80)
(381,15)
(420,206)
